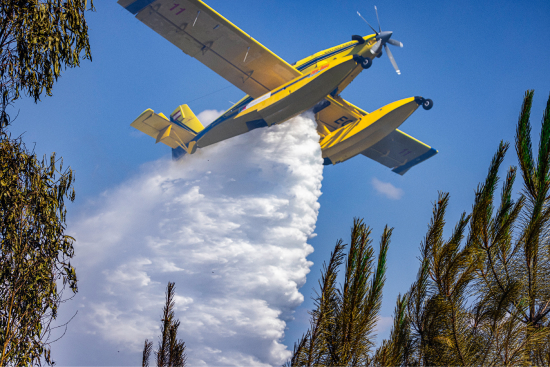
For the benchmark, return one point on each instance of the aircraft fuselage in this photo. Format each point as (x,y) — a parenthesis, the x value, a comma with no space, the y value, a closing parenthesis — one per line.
(325,73)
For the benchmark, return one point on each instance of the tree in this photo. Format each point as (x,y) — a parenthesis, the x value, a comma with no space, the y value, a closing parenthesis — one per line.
(171,351)
(37,39)
(530,263)
(486,302)
(481,296)
(35,252)
(342,325)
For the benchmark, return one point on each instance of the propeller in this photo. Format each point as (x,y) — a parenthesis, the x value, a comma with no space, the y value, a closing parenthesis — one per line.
(367,22)
(378,19)
(382,38)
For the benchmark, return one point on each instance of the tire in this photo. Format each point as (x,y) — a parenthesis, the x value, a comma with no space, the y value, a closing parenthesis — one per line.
(366,63)
(427,104)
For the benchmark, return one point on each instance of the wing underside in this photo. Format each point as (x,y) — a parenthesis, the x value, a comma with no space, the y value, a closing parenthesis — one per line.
(202,33)
(399,151)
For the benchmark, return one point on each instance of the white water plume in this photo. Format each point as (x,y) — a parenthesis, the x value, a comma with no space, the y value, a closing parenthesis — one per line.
(229,225)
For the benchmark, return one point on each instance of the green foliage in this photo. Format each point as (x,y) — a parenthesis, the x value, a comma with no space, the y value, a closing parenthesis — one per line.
(342,325)
(171,351)
(147,349)
(37,39)
(35,252)
(437,310)
(482,296)
(399,346)
(486,301)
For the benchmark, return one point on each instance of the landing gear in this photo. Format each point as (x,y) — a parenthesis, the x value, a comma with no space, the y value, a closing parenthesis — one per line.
(364,61)
(427,104)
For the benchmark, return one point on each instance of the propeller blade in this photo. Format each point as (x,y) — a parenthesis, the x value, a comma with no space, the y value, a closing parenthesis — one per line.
(367,23)
(379,27)
(392,60)
(395,43)
(374,49)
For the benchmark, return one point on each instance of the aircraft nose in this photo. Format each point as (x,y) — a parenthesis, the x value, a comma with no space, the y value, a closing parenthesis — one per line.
(385,36)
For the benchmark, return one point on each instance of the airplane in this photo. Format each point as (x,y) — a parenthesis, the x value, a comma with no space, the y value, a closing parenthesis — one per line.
(277,91)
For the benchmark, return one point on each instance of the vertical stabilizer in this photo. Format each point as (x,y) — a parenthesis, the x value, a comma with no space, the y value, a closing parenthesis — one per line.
(183,115)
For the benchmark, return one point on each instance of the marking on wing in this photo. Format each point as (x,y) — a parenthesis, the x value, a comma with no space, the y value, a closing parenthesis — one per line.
(207,46)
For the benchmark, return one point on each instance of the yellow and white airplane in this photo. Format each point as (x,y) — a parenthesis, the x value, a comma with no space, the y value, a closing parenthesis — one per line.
(277,90)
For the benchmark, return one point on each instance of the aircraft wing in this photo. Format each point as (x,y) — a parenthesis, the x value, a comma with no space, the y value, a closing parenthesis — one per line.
(202,33)
(397,150)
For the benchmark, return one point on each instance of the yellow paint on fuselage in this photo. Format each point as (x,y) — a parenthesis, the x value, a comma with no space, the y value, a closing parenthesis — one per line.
(286,101)
(336,52)
(327,59)
(288,88)
(330,71)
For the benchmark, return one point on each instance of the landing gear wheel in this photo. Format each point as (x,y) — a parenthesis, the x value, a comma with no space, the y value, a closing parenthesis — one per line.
(364,61)
(427,104)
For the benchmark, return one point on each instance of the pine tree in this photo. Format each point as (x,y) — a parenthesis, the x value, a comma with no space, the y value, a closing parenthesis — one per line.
(481,296)
(530,258)
(171,351)
(486,301)
(342,325)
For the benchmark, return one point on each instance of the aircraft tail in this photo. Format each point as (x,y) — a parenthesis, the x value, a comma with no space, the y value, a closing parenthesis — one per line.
(184,116)
(178,131)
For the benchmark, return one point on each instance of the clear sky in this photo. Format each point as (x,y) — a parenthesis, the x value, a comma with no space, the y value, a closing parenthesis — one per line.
(475,59)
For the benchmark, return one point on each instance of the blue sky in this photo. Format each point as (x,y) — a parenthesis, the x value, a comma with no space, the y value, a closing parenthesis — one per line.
(474,59)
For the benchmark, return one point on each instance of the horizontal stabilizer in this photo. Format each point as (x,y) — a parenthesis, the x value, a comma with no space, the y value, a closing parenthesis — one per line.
(174,133)
(399,151)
